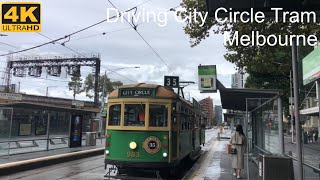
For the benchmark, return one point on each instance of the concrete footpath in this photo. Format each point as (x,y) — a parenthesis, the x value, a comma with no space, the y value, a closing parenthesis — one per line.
(22,162)
(215,163)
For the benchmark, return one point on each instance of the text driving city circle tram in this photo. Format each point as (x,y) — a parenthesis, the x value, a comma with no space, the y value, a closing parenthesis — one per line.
(151,127)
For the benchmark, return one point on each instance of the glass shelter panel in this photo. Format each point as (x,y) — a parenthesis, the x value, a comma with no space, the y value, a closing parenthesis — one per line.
(263,131)
(59,129)
(158,115)
(5,123)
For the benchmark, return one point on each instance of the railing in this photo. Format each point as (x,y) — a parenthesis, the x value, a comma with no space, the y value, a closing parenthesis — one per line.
(18,146)
(306,164)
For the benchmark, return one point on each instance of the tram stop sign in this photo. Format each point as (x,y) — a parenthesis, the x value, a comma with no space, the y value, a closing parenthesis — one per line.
(171,81)
(261,5)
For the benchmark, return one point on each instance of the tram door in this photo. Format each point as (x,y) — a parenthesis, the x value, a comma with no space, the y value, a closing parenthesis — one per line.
(75,131)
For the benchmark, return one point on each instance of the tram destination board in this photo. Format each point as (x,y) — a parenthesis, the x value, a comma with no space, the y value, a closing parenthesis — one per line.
(134,93)
(261,5)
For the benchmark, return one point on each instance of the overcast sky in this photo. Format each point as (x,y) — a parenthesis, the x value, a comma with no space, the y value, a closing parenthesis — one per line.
(123,48)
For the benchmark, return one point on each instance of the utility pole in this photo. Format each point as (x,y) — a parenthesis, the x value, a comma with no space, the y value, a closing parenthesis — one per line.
(291,109)
(318,97)
(296,109)
(96,81)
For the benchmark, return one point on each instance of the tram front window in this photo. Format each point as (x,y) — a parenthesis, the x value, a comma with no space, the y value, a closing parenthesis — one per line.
(158,115)
(115,115)
(134,115)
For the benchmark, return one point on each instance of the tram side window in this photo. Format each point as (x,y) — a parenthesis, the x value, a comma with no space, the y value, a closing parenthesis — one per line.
(134,115)
(158,115)
(184,122)
(115,115)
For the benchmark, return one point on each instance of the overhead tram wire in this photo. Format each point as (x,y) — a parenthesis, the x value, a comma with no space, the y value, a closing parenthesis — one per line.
(118,74)
(134,27)
(69,35)
(100,34)
(15,47)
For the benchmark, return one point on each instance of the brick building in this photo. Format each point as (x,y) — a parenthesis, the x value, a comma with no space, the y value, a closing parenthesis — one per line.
(207,109)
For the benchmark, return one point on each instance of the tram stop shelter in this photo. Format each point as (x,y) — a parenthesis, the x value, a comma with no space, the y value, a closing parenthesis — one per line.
(261,114)
(30,123)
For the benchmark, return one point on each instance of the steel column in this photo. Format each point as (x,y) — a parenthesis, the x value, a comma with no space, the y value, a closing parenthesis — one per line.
(280,126)
(296,109)
(48,131)
(96,82)
(247,120)
(10,131)
(318,94)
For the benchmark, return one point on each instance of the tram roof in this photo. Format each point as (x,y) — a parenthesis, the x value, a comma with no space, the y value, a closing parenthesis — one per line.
(160,91)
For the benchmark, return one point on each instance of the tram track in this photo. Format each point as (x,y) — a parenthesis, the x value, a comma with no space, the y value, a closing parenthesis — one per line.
(57,167)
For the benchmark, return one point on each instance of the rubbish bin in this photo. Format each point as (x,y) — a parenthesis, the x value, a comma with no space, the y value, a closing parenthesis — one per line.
(272,167)
(90,138)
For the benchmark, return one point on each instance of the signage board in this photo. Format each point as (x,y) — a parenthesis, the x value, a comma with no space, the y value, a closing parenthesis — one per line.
(171,81)
(311,66)
(11,96)
(40,129)
(24,129)
(207,76)
(138,92)
(75,131)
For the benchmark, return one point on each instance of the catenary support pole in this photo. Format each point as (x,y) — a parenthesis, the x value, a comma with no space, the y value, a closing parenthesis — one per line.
(246,122)
(318,94)
(291,109)
(296,108)
(10,131)
(96,82)
(48,131)
(280,126)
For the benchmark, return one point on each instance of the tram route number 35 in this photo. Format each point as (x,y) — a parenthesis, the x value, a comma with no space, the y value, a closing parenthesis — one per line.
(171,81)
(133,154)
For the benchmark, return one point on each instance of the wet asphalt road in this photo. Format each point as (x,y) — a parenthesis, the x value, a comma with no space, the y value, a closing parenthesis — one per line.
(89,169)
(84,169)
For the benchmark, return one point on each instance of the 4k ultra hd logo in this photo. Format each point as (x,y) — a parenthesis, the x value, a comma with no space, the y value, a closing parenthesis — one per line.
(20,17)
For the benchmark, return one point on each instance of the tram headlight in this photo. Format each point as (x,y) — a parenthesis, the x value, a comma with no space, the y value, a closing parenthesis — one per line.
(133,145)
(165,154)
(107,152)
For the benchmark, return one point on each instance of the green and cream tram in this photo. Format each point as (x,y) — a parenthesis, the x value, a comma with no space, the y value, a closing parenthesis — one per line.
(151,127)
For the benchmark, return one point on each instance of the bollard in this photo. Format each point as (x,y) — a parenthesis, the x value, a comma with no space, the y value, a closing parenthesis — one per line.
(218,136)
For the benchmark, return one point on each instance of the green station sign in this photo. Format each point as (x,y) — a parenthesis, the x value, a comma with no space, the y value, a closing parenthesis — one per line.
(311,67)
(136,92)
(207,78)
